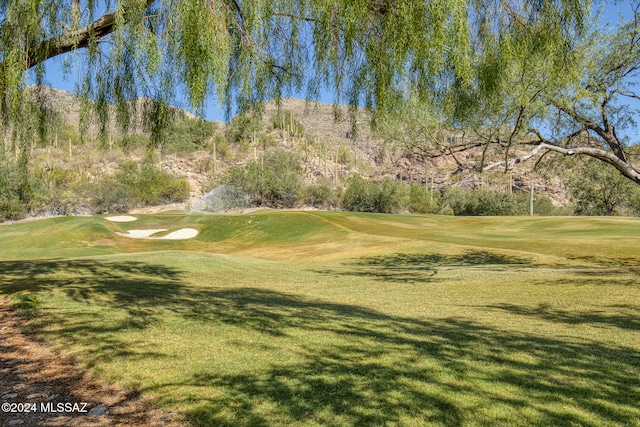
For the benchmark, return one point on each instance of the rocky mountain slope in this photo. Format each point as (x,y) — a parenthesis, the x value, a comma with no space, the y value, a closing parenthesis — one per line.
(328,147)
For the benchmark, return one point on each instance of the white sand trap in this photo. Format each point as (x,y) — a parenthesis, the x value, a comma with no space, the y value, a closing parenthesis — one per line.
(139,234)
(121,218)
(183,233)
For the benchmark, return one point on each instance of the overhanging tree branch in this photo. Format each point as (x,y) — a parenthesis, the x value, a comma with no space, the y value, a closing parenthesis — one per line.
(606,132)
(543,147)
(75,39)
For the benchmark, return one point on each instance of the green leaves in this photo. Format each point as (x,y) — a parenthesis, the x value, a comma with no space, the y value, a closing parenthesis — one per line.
(202,47)
(367,52)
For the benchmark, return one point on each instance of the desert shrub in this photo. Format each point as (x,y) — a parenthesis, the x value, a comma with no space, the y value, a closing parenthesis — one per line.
(243,146)
(490,203)
(150,185)
(58,191)
(266,141)
(110,196)
(48,190)
(542,205)
(247,178)
(461,202)
(343,156)
(500,204)
(456,199)
(186,135)
(481,203)
(421,201)
(13,191)
(362,195)
(11,208)
(320,196)
(359,195)
(55,200)
(64,201)
(130,142)
(391,197)
(68,133)
(275,181)
(282,174)
(446,210)
(223,148)
(45,181)
(137,185)
(177,190)
(242,128)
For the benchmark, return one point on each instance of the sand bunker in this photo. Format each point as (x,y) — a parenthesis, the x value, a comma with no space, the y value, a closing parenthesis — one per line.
(138,234)
(121,218)
(183,233)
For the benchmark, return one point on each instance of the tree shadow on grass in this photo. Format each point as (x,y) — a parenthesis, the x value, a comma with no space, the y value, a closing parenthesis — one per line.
(421,268)
(133,290)
(360,367)
(604,261)
(595,276)
(81,280)
(368,368)
(470,258)
(619,316)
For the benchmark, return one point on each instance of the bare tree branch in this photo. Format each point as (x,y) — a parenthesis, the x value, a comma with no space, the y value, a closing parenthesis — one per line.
(630,95)
(516,129)
(607,133)
(606,156)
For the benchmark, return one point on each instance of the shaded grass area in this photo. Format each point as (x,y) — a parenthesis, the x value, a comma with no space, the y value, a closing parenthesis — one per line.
(421,267)
(467,338)
(623,316)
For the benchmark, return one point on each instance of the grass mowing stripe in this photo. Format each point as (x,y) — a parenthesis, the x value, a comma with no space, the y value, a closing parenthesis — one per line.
(404,329)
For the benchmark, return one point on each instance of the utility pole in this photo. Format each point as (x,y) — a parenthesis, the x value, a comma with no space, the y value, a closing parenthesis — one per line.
(531,188)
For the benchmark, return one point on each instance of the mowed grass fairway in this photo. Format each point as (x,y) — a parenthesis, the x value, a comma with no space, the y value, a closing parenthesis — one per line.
(342,319)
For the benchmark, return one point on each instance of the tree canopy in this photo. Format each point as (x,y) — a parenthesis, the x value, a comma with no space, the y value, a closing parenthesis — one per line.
(368,52)
(577,106)
(581,111)
(529,72)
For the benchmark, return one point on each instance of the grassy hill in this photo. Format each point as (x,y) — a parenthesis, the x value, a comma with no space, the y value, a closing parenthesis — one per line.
(316,318)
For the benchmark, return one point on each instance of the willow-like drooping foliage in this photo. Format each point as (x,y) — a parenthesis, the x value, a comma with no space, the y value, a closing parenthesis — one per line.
(453,56)
(367,52)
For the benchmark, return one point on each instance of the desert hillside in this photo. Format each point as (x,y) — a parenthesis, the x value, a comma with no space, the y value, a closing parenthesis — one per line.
(321,134)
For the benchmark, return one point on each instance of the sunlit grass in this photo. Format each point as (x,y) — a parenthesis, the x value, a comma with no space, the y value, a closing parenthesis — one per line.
(343,319)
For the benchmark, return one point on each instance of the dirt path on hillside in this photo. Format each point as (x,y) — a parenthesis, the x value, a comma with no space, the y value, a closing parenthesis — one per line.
(39,387)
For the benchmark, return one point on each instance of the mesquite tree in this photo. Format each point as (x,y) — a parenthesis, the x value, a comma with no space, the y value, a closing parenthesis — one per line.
(581,111)
(573,101)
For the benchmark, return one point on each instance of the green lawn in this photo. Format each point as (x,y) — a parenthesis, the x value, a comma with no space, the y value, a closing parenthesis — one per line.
(342,319)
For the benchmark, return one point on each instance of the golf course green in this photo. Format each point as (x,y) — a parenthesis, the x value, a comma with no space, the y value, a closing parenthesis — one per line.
(345,319)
